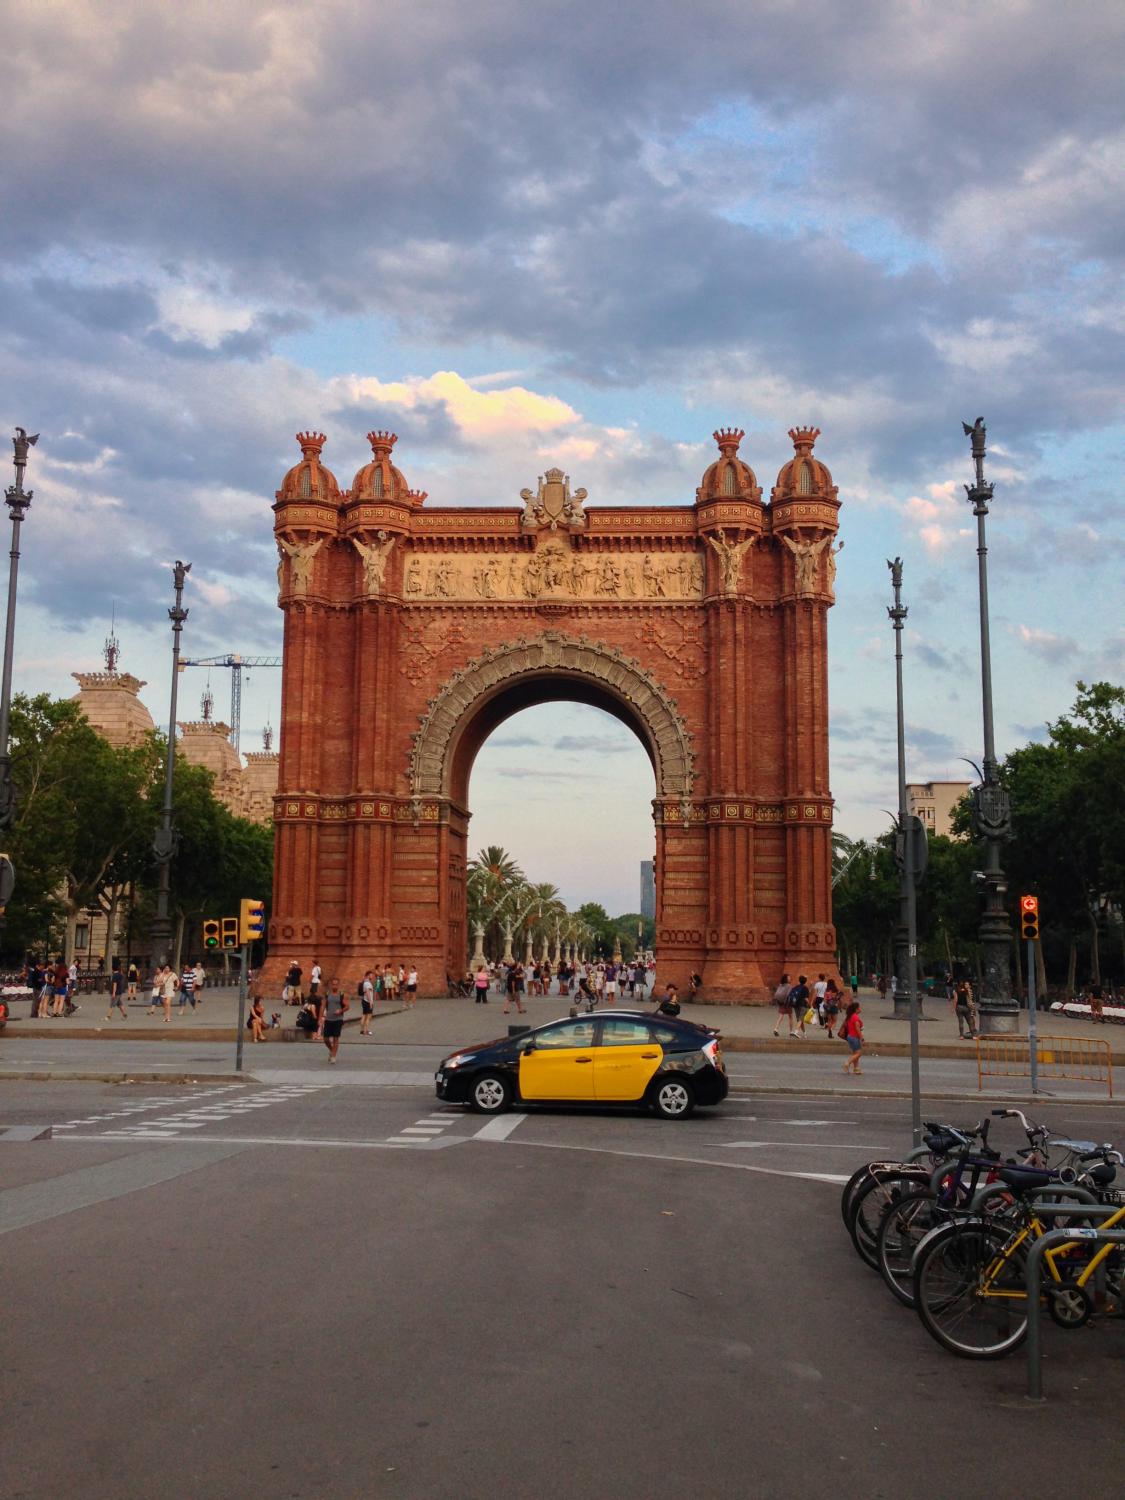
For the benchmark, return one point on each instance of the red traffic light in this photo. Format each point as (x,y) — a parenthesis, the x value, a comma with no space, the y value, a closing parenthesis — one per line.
(1029,918)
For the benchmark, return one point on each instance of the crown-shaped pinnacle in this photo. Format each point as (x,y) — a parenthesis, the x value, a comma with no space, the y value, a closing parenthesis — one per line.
(382,442)
(311,442)
(728,437)
(803,438)
(416,497)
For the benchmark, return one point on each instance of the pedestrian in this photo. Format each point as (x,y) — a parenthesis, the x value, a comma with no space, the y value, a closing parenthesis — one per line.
(411,978)
(963,1009)
(819,989)
(72,988)
(695,985)
(366,1002)
(292,993)
(117,992)
(852,1032)
(480,984)
(314,981)
(187,987)
(157,991)
(831,1007)
(799,1005)
(670,1002)
(854,984)
(331,1014)
(59,981)
(257,1020)
(169,984)
(881,985)
(515,990)
(781,1000)
(46,993)
(611,984)
(133,976)
(1096,997)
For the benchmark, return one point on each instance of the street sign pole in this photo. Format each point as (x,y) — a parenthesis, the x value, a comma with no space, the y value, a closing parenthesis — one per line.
(241,1008)
(1032,1017)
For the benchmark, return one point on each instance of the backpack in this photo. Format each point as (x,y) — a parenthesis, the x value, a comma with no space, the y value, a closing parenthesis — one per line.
(359,989)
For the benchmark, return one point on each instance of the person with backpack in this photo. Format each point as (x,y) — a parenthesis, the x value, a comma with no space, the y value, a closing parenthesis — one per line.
(330,1013)
(798,1005)
(781,1000)
(852,1033)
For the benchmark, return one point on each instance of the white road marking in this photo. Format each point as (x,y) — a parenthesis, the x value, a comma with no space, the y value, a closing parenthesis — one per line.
(806,1145)
(499,1129)
(693,1161)
(814,1122)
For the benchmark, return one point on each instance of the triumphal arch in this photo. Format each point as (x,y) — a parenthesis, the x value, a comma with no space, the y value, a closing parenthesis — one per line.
(412,631)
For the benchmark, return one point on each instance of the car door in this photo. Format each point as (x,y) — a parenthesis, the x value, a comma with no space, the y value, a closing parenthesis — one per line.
(625,1059)
(558,1061)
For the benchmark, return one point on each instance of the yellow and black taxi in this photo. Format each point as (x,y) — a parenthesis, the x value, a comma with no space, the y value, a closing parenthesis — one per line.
(627,1057)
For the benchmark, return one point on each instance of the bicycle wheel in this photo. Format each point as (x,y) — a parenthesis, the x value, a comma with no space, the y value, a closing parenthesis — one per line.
(872,1199)
(847,1195)
(968,1294)
(906,1221)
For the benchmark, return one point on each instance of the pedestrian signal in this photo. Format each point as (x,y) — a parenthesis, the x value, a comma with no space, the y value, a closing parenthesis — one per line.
(252,920)
(230,932)
(1029,918)
(211,932)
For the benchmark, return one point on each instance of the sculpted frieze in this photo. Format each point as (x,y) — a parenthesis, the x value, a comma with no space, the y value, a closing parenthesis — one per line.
(553,573)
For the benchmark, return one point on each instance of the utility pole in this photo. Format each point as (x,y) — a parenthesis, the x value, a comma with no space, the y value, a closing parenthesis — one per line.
(164,841)
(992,815)
(18,500)
(906,963)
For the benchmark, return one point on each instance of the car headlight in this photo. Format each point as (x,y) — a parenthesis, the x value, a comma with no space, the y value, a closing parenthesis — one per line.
(457,1060)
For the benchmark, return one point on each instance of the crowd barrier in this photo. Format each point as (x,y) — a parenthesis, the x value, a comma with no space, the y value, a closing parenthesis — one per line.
(1077,1059)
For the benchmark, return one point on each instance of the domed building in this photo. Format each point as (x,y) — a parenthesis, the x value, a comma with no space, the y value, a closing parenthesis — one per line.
(803,476)
(310,479)
(379,479)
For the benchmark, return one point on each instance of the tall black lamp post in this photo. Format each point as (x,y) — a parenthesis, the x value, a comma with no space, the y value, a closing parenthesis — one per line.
(18,500)
(992,816)
(911,862)
(164,841)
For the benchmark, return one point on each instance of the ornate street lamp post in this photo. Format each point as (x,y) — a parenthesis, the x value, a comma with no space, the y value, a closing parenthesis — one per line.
(164,841)
(992,818)
(18,500)
(906,850)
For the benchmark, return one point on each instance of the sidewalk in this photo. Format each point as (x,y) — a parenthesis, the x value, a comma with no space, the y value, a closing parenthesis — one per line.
(214,1019)
(451,1023)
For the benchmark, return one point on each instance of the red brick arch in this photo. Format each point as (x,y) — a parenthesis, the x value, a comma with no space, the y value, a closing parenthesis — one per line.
(412,632)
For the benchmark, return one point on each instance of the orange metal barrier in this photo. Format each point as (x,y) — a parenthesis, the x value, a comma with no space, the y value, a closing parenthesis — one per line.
(1078,1058)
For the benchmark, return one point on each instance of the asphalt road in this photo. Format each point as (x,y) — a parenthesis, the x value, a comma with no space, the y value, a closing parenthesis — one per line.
(307,1289)
(371,1060)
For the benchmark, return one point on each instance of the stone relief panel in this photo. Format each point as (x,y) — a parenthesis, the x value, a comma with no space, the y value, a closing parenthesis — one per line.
(552,573)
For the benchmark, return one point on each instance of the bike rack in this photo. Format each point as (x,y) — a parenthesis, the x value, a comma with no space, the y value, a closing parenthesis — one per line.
(1072,1192)
(1034,1276)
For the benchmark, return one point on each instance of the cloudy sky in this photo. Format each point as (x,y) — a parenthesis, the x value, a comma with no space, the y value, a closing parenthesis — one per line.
(528,233)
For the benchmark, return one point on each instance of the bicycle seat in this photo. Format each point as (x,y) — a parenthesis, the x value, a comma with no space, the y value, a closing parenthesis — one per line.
(1024,1179)
(941,1141)
(1101,1175)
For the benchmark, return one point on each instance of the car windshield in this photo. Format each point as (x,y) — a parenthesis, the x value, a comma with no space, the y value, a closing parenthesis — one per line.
(577,1033)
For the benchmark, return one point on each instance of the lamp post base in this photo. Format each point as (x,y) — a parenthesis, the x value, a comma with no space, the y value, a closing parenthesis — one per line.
(998,1019)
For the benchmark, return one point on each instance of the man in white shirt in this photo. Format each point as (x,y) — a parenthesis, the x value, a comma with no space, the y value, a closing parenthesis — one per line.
(818,990)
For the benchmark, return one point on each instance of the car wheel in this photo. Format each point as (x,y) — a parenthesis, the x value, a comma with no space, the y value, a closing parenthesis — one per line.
(672,1098)
(490,1094)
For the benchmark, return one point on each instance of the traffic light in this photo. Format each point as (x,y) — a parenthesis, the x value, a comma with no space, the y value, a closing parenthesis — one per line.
(251,920)
(230,932)
(211,932)
(1029,918)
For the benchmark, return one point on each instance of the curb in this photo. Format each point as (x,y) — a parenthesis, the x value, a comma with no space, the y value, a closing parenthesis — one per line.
(30,1076)
(108,1033)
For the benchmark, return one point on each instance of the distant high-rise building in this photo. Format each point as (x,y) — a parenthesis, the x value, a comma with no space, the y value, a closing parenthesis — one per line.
(648,890)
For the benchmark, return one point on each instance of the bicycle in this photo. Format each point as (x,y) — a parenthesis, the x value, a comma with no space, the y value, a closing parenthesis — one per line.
(969,1273)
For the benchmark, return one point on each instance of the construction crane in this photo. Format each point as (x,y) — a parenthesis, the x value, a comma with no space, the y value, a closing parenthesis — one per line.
(237,664)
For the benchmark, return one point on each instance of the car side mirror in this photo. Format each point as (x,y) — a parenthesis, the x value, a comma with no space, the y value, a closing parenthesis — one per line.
(530,1047)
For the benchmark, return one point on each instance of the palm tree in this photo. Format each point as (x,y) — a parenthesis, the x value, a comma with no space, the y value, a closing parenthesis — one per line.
(496,888)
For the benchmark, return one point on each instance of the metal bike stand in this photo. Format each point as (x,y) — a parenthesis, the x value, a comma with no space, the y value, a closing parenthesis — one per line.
(1034,1277)
(1073,1194)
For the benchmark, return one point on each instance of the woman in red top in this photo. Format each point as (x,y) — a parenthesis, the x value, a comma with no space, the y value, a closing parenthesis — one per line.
(852,1032)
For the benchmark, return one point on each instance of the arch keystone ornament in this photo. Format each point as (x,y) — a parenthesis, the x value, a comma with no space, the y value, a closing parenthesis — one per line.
(413,631)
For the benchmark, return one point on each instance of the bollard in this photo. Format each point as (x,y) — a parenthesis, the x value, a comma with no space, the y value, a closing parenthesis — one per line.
(1034,1276)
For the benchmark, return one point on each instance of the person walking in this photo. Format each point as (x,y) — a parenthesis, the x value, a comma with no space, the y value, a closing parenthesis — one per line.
(881,985)
(117,992)
(169,984)
(799,1004)
(291,994)
(72,988)
(58,987)
(187,987)
(781,1000)
(611,984)
(480,984)
(963,1009)
(331,1014)
(411,991)
(133,976)
(314,981)
(1096,997)
(366,1002)
(819,989)
(852,1032)
(853,983)
(156,991)
(831,1007)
